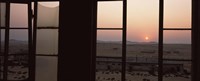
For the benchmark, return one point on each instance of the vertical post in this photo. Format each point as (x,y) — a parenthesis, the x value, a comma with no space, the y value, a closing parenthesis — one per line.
(69,42)
(30,44)
(94,40)
(0,15)
(6,48)
(0,43)
(160,51)
(124,32)
(195,40)
(33,54)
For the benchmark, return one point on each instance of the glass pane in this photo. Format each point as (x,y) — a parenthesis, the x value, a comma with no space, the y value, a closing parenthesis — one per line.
(52,18)
(177,56)
(142,27)
(18,67)
(2,35)
(177,13)
(142,40)
(18,15)
(47,41)
(46,68)
(18,42)
(2,38)
(177,70)
(2,14)
(18,55)
(1,67)
(109,53)
(177,51)
(109,43)
(177,37)
(109,14)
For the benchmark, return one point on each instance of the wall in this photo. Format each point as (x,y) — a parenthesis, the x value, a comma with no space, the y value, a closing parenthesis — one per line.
(75,41)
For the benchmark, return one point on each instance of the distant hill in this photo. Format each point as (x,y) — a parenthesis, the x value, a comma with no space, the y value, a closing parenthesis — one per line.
(128,42)
(16,46)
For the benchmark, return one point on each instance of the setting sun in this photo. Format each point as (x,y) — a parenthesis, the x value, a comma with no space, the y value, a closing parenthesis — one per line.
(146,38)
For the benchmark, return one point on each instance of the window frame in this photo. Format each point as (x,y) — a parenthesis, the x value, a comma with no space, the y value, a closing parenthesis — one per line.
(7,29)
(32,35)
(160,39)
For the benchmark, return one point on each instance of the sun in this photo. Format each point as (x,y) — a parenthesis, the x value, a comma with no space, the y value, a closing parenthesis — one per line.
(146,38)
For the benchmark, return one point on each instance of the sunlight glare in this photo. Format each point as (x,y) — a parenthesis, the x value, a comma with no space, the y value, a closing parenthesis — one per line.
(146,38)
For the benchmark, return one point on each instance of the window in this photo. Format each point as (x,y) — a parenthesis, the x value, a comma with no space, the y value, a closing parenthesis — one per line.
(47,41)
(29,40)
(15,41)
(143,40)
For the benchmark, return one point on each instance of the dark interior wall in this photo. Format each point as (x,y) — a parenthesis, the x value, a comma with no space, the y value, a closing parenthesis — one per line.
(196,40)
(75,40)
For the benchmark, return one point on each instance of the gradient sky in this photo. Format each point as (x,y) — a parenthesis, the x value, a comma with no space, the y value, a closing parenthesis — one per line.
(19,18)
(142,20)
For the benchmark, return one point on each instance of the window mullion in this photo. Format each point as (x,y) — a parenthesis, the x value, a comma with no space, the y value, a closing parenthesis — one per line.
(5,68)
(124,37)
(30,43)
(160,48)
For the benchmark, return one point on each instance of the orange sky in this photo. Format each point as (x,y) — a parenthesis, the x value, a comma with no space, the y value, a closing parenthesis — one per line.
(142,20)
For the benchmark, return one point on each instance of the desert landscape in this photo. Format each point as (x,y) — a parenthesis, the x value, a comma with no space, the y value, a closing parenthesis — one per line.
(17,60)
(142,61)
(18,63)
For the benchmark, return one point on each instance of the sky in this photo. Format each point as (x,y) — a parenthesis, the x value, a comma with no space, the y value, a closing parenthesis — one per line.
(19,18)
(143,20)
(47,39)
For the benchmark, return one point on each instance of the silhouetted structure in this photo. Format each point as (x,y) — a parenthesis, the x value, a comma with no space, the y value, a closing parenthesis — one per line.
(77,20)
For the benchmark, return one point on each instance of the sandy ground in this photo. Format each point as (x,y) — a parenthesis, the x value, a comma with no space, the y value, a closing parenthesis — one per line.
(17,73)
(171,51)
(136,76)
